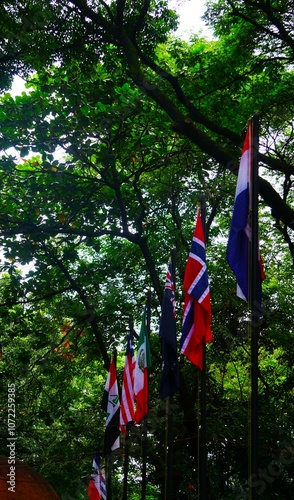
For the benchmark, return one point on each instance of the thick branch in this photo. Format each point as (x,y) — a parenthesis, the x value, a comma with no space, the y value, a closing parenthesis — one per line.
(282,33)
(97,18)
(89,308)
(194,113)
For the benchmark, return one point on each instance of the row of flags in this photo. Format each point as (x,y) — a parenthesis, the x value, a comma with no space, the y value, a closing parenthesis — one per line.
(197,317)
(120,413)
(133,406)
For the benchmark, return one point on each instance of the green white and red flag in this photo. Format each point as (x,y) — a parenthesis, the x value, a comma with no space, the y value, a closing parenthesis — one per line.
(143,363)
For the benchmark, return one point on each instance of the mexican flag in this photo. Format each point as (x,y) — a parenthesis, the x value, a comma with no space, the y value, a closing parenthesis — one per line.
(143,363)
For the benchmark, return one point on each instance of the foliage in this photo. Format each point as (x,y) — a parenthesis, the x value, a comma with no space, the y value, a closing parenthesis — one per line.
(105,157)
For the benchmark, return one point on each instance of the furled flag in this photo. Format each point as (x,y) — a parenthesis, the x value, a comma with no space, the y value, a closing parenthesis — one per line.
(127,411)
(170,377)
(110,403)
(143,363)
(241,231)
(197,308)
(97,484)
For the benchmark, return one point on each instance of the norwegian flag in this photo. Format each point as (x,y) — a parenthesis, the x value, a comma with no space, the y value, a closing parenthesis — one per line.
(127,412)
(197,308)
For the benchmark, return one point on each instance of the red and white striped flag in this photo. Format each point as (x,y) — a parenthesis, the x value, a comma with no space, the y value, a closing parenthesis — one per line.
(127,412)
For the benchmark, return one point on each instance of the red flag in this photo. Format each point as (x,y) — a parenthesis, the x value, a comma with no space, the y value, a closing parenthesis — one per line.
(127,412)
(93,493)
(197,308)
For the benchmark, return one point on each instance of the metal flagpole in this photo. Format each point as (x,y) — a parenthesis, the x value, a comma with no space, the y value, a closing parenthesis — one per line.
(109,466)
(144,456)
(202,450)
(127,439)
(170,439)
(254,309)
(144,423)
(126,461)
(110,457)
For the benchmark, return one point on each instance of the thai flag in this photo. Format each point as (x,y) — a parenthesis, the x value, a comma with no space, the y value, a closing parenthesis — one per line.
(241,233)
(196,329)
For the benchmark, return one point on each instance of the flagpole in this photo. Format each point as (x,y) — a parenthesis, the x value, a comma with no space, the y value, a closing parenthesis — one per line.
(203,451)
(144,422)
(110,455)
(254,306)
(127,439)
(169,480)
(126,461)
(108,476)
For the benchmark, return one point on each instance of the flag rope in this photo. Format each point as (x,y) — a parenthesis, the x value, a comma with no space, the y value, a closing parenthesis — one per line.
(198,432)
(166,452)
(249,334)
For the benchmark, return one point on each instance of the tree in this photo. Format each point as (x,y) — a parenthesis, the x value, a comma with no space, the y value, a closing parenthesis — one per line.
(125,129)
(86,30)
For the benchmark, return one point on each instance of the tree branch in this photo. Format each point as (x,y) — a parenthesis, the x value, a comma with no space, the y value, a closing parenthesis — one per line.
(89,307)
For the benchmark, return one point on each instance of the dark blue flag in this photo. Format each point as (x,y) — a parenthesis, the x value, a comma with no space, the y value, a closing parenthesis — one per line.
(170,378)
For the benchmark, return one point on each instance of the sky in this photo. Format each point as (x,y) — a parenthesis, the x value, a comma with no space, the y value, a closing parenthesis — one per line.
(190,16)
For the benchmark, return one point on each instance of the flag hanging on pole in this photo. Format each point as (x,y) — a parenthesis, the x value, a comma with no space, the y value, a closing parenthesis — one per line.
(196,329)
(240,236)
(170,377)
(110,404)
(143,363)
(97,484)
(127,411)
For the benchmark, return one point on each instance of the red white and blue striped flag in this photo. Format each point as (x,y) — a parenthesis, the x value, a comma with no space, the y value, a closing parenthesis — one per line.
(196,329)
(97,484)
(127,411)
(241,232)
